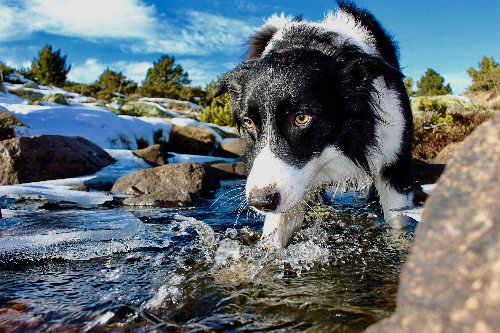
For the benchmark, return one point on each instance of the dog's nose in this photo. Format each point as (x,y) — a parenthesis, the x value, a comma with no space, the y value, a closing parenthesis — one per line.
(265,199)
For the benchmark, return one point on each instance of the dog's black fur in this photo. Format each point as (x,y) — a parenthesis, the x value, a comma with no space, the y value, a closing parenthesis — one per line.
(318,74)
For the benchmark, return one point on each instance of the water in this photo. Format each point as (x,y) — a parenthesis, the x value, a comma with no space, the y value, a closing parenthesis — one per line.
(197,269)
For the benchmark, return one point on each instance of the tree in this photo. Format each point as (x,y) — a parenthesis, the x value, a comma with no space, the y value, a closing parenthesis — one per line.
(165,78)
(431,84)
(116,82)
(50,68)
(488,76)
(409,87)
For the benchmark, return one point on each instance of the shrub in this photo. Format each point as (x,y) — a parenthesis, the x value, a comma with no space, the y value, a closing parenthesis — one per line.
(219,112)
(488,76)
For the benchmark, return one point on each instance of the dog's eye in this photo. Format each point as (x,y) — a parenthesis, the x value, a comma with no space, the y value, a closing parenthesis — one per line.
(248,123)
(302,119)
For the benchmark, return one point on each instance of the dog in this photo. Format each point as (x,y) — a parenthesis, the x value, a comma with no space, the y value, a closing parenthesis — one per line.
(321,103)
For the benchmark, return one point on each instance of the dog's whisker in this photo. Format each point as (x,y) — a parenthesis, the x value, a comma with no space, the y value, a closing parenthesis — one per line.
(224,194)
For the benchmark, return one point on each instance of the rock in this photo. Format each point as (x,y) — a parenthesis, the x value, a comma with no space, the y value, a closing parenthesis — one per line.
(170,184)
(233,148)
(82,188)
(426,173)
(454,104)
(55,98)
(451,281)
(31,85)
(28,95)
(446,154)
(139,109)
(45,157)
(155,155)
(230,170)
(191,140)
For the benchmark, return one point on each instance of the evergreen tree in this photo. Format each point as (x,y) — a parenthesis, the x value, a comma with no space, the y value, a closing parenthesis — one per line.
(50,68)
(165,79)
(409,87)
(113,81)
(431,84)
(488,76)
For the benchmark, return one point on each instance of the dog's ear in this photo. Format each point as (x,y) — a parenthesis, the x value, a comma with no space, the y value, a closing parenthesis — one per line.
(232,81)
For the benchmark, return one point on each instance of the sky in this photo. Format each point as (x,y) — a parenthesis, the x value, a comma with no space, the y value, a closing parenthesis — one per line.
(207,37)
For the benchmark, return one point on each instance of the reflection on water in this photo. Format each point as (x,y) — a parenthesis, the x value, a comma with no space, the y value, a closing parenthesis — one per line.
(200,269)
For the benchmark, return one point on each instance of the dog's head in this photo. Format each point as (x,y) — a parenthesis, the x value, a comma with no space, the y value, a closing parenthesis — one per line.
(299,109)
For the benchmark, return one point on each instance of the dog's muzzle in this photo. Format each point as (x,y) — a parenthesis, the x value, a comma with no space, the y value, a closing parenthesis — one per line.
(265,199)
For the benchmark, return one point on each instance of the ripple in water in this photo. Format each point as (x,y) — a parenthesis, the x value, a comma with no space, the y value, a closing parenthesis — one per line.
(192,270)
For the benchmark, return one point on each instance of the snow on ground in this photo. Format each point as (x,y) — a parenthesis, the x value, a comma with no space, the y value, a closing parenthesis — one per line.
(169,100)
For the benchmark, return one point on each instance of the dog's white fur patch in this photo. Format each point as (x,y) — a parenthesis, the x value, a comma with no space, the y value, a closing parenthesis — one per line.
(339,22)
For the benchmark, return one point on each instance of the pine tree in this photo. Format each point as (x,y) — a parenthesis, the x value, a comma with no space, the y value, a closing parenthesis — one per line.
(409,87)
(431,84)
(113,81)
(165,78)
(488,76)
(50,68)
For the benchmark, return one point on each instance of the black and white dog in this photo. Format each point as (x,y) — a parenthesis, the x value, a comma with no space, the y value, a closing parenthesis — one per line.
(321,103)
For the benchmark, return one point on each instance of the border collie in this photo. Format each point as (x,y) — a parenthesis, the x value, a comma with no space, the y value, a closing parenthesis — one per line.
(321,103)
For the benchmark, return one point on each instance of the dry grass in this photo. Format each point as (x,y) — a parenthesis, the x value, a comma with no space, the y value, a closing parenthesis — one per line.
(489,99)
(7,120)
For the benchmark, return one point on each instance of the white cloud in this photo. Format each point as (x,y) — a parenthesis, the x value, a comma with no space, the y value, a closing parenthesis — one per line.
(90,19)
(194,33)
(201,35)
(90,71)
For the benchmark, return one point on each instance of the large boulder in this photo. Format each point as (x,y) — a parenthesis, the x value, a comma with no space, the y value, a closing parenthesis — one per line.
(451,281)
(191,140)
(168,185)
(447,153)
(45,157)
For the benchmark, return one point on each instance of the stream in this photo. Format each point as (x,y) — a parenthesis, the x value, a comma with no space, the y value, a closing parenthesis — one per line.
(203,269)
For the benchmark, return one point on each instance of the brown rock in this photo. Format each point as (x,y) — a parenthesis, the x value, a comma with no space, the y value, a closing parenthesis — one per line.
(451,282)
(171,184)
(45,157)
(155,155)
(230,170)
(447,153)
(233,148)
(191,140)
(82,188)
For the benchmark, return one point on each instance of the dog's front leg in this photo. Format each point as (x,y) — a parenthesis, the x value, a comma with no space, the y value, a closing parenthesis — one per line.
(278,228)
(394,203)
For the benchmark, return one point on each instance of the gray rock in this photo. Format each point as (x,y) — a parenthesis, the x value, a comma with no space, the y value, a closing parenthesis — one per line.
(45,157)
(451,281)
(168,185)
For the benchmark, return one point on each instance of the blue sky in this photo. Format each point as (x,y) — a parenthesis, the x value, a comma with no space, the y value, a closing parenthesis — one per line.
(206,37)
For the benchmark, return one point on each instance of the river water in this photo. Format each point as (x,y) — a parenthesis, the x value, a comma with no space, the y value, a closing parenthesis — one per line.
(197,269)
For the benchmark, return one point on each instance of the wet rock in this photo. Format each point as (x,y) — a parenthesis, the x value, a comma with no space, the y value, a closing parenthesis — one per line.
(191,140)
(168,185)
(233,148)
(230,170)
(447,153)
(155,155)
(46,157)
(451,281)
